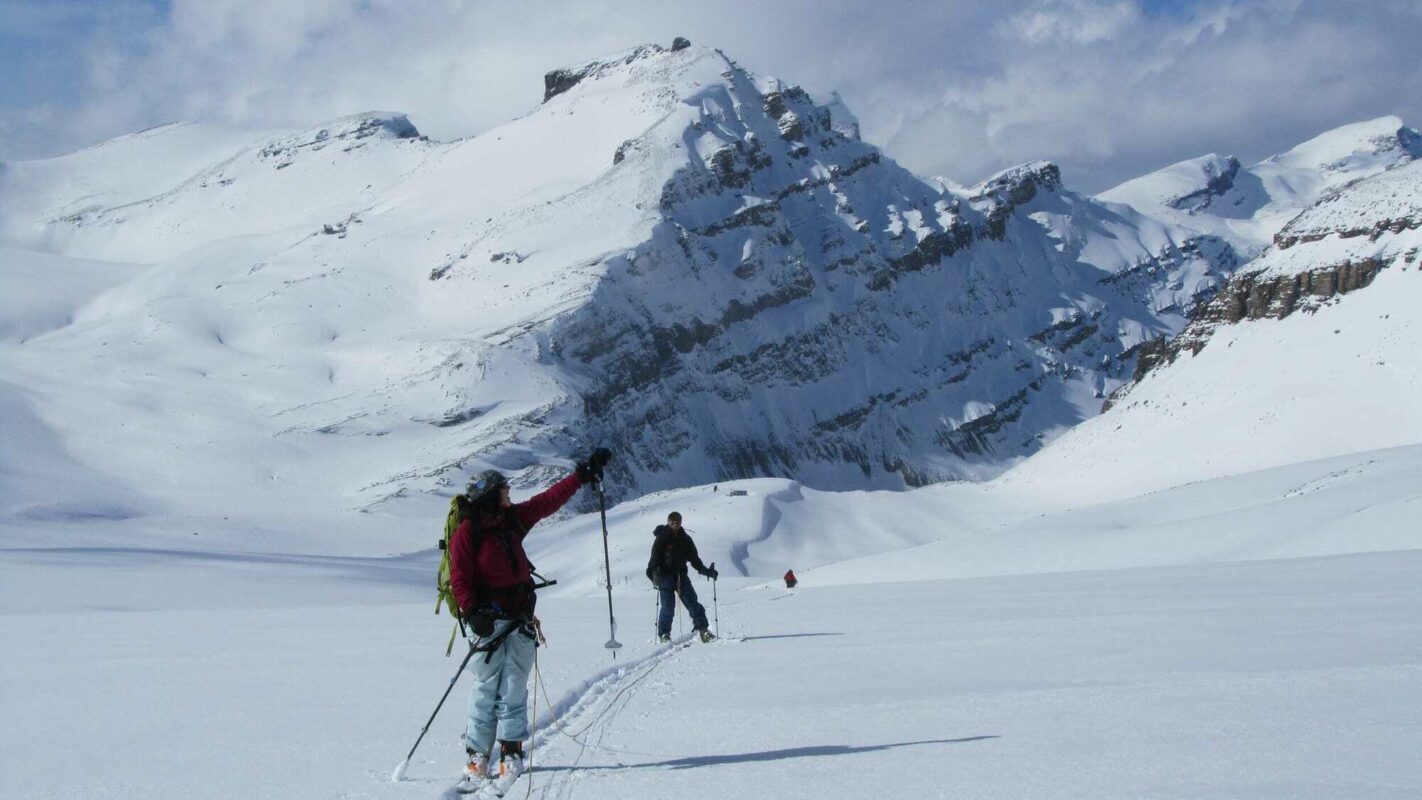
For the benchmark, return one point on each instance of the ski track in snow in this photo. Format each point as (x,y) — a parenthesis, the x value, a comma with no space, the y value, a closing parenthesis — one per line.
(1331,478)
(582,716)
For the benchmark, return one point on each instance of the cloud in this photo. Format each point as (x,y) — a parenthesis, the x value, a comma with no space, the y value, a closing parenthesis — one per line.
(1136,91)
(1108,88)
(1073,21)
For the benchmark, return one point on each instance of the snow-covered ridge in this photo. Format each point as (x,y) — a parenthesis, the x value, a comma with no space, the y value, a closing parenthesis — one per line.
(152,197)
(1368,146)
(1247,206)
(558,81)
(1388,203)
(673,254)
(1335,247)
(1252,383)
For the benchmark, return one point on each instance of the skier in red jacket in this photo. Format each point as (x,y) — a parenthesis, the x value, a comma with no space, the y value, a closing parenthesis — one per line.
(492,579)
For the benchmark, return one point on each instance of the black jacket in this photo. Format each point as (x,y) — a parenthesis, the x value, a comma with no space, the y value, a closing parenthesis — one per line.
(671,552)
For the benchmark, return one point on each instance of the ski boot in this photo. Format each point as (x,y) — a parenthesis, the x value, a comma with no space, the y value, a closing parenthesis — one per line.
(476,772)
(706,635)
(511,766)
(664,638)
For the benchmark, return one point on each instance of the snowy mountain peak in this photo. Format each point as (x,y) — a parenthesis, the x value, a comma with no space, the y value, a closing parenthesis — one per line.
(1366,145)
(560,80)
(346,133)
(1246,206)
(1192,186)
(1003,193)
(1217,175)
(1019,184)
(842,120)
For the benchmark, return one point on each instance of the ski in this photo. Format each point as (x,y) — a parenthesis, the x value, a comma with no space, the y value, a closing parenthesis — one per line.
(467,787)
(498,787)
(480,787)
(470,785)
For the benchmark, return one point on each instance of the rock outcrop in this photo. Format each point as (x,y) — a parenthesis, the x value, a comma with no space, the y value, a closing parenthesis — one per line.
(1337,246)
(558,81)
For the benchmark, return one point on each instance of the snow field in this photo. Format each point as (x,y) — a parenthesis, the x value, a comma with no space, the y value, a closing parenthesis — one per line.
(1180,673)
(1209,681)
(1293,678)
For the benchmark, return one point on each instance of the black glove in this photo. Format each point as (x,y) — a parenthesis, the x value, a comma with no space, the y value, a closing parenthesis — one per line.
(711,572)
(591,469)
(481,621)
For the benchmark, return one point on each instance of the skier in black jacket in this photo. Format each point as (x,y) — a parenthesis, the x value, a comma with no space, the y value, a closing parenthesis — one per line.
(671,552)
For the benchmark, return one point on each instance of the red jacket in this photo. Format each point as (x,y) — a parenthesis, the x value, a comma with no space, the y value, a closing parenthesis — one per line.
(487,563)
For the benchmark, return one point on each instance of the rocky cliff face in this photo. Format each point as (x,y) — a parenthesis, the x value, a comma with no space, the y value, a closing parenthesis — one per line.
(1336,247)
(806,307)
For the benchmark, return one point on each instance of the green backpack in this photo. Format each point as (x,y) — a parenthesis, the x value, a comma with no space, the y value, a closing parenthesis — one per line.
(457,510)
(446,592)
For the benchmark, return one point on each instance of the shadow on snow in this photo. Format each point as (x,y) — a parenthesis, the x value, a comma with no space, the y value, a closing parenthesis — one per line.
(815,751)
(787,636)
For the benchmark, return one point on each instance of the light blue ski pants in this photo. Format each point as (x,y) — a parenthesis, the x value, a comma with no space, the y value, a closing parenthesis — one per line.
(498,702)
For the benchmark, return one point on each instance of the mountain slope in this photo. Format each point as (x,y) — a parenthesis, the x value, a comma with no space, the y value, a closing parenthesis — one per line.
(1308,351)
(704,268)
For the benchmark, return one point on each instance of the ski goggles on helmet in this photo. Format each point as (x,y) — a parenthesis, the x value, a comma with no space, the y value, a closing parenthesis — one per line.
(484,483)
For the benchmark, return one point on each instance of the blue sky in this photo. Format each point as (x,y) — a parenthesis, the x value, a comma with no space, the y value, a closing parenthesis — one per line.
(41,42)
(1177,7)
(1108,88)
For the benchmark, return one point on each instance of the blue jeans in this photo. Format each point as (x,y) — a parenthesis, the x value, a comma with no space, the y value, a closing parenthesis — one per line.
(670,584)
(498,702)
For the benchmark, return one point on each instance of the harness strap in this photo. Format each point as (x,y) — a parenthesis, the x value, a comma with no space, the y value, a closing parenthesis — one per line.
(493,644)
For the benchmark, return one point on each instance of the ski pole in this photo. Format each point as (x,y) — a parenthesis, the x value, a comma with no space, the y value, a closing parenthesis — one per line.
(715,603)
(612,643)
(679,630)
(399,773)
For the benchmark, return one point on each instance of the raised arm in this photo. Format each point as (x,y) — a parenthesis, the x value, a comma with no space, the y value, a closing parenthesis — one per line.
(537,508)
(533,510)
